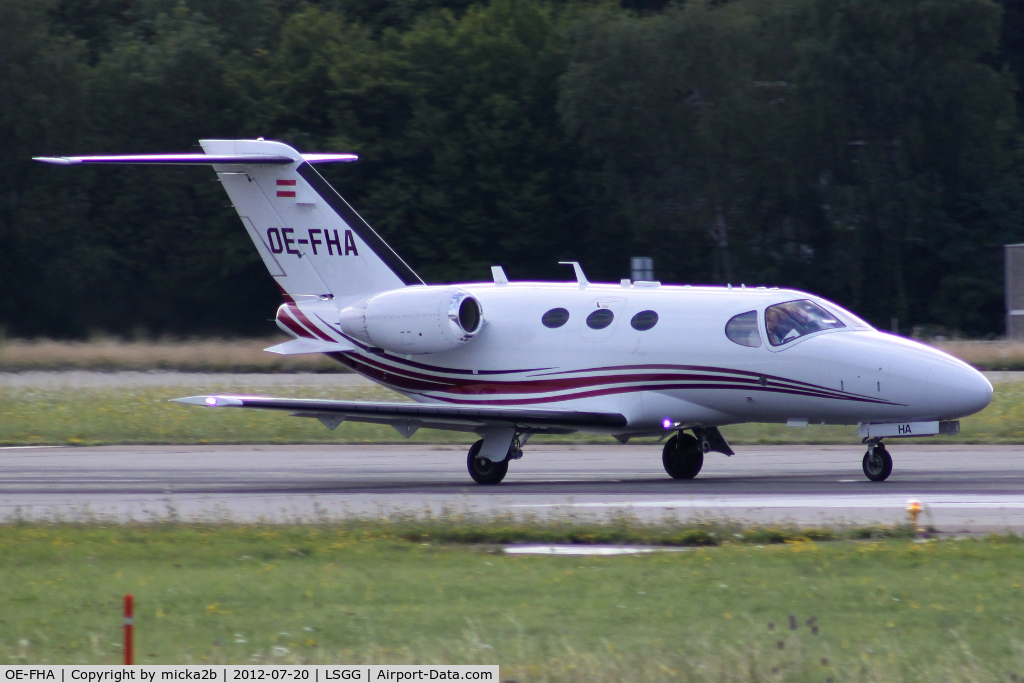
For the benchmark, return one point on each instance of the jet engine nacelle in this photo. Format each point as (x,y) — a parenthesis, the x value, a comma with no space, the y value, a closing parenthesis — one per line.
(415,320)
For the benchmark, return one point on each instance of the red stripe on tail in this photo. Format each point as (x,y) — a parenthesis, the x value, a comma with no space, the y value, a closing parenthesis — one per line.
(301,317)
(284,294)
(286,319)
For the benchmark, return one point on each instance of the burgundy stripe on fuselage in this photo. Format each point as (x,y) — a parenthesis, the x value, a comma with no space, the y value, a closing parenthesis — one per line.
(655,387)
(419,384)
(756,376)
(461,385)
(466,384)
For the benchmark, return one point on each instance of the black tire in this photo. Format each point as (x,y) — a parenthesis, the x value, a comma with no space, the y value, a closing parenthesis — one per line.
(683,457)
(483,470)
(880,467)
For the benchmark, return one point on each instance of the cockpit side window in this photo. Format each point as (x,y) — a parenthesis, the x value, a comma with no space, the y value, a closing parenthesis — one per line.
(794,319)
(742,329)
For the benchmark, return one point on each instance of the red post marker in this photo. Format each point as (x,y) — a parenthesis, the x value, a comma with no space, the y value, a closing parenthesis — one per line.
(129,624)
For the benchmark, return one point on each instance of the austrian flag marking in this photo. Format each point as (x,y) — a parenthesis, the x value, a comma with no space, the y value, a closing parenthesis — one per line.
(285,184)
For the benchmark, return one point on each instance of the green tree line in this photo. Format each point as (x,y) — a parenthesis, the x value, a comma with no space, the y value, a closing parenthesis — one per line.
(871,151)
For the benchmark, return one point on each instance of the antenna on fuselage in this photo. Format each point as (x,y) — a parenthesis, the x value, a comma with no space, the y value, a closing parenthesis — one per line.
(580,277)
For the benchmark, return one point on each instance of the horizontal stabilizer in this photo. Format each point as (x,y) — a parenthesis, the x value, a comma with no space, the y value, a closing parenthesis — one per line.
(299,346)
(329,158)
(461,418)
(200,159)
(312,242)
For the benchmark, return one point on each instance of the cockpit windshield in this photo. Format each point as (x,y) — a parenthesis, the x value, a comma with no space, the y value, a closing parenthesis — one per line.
(794,319)
(850,317)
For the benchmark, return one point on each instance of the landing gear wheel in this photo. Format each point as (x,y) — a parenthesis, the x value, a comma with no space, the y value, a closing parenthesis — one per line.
(683,457)
(483,470)
(878,465)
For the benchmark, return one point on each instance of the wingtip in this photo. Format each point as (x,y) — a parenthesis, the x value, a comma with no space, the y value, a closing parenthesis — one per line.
(192,400)
(208,401)
(59,161)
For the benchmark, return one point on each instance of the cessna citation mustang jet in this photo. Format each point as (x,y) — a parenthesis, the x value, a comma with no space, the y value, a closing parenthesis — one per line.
(508,360)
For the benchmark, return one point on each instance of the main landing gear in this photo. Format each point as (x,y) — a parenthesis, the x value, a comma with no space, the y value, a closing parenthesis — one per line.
(487,472)
(877,462)
(683,456)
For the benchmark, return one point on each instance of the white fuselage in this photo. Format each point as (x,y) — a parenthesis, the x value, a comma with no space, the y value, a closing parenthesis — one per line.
(684,370)
(508,360)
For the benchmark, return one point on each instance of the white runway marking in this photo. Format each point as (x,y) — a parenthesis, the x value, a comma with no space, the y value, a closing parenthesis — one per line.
(586,550)
(787,502)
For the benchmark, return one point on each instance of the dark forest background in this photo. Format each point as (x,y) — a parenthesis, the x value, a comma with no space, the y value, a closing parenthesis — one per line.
(871,151)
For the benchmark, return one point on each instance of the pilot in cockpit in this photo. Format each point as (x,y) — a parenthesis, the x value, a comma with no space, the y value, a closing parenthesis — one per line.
(785,322)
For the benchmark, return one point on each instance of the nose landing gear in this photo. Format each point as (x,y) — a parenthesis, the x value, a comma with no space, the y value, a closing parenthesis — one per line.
(877,462)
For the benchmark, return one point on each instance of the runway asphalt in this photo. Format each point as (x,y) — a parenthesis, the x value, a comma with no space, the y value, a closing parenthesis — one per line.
(963,487)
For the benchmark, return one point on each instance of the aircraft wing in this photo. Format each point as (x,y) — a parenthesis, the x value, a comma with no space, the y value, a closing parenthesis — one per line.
(408,417)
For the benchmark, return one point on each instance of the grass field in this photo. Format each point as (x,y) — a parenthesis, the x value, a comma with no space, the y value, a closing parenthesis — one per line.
(92,416)
(385,592)
(987,355)
(247,355)
(203,355)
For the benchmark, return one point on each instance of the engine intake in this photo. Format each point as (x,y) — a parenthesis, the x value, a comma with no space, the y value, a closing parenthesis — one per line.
(415,320)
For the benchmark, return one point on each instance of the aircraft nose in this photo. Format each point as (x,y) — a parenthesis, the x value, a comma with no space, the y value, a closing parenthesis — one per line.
(957,390)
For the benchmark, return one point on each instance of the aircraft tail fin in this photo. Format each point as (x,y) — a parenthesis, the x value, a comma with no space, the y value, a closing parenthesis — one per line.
(311,240)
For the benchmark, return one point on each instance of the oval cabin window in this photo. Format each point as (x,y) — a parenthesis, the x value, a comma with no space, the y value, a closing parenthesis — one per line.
(742,329)
(556,317)
(600,319)
(644,320)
